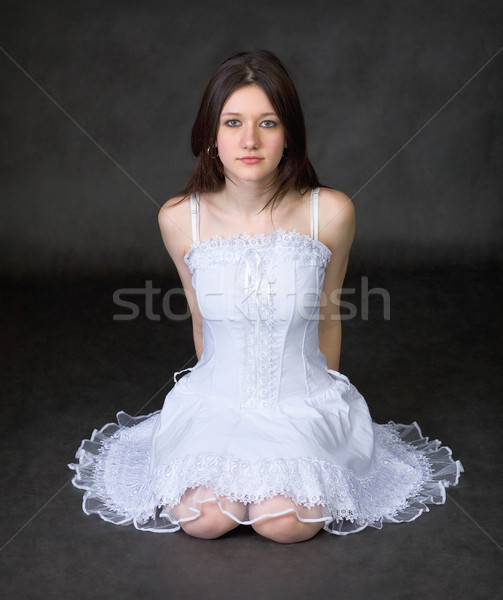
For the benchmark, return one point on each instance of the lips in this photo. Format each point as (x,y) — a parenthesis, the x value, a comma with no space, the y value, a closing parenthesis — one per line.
(250,160)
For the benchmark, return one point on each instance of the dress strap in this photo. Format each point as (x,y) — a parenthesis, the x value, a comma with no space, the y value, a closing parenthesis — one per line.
(313,202)
(194,213)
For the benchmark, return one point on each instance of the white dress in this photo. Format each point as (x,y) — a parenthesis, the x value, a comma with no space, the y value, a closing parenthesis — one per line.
(260,414)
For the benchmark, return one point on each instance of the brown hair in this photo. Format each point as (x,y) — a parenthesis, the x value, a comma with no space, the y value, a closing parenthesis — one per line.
(264,69)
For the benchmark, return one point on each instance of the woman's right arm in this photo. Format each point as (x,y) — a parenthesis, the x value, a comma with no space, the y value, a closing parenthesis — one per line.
(175,226)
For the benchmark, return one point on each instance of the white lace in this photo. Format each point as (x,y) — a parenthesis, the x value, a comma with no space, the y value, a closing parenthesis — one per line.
(292,245)
(254,277)
(113,468)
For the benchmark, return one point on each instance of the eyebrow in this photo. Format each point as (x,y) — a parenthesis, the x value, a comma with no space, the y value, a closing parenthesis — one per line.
(236,114)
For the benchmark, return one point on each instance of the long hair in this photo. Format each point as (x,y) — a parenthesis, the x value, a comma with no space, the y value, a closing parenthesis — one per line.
(264,69)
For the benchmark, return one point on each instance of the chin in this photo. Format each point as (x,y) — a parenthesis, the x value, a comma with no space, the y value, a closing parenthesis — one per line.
(243,175)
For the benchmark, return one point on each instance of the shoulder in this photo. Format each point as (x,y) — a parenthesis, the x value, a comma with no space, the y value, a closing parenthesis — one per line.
(175,225)
(335,204)
(174,208)
(337,219)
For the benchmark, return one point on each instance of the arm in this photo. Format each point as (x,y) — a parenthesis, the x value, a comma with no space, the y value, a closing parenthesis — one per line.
(337,231)
(175,226)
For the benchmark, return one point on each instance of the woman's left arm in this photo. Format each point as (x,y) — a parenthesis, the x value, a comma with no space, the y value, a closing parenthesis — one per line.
(337,231)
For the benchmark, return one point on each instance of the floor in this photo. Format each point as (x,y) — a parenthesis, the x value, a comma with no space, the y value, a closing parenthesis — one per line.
(70,367)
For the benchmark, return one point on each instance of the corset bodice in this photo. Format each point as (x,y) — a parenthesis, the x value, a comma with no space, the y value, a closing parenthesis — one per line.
(259,298)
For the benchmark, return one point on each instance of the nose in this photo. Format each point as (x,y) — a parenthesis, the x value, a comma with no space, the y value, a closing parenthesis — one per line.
(250,136)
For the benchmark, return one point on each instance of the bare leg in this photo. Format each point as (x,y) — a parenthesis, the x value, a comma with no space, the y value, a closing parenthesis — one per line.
(286,529)
(212,522)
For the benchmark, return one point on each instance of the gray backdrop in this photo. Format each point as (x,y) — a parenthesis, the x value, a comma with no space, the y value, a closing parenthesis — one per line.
(85,170)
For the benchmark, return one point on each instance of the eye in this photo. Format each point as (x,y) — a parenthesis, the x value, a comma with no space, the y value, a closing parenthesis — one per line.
(232,123)
(269,124)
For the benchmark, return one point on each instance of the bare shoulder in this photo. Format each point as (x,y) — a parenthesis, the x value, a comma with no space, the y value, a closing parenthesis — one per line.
(335,204)
(336,219)
(173,210)
(175,225)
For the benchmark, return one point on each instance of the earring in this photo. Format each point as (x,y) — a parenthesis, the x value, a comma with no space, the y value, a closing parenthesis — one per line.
(208,152)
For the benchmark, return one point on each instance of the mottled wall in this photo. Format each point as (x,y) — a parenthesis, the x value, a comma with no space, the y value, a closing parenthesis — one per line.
(84,171)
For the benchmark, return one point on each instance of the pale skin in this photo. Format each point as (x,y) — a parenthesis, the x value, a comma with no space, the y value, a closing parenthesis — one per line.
(249,126)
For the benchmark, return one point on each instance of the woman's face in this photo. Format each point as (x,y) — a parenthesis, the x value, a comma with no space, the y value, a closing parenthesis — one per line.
(250,138)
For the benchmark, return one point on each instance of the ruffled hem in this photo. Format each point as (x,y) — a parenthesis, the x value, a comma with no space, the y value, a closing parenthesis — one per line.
(114,468)
(444,472)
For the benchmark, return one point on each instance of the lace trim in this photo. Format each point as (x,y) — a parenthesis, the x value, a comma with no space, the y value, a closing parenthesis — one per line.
(293,245)
(254,277)
(114,469)
(305,480)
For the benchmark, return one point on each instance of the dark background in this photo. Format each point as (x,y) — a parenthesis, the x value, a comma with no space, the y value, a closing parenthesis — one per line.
(370,75)
(97,103)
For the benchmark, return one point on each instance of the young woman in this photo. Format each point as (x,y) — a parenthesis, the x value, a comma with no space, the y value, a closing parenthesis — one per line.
(264,430)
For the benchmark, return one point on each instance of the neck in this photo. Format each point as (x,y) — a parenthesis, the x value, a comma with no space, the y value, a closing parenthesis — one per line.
(246,198)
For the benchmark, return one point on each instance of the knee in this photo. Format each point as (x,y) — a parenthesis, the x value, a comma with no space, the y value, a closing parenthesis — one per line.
(211,521)
(286,529)
(207,527)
